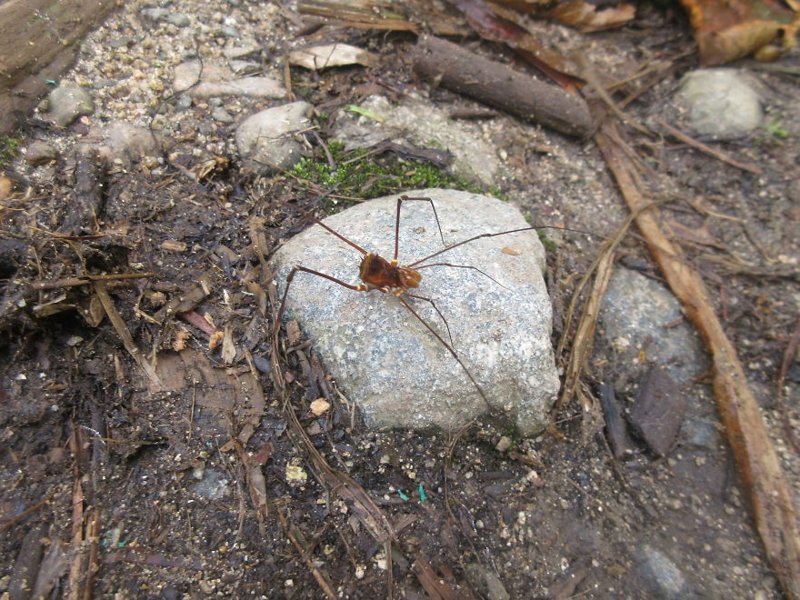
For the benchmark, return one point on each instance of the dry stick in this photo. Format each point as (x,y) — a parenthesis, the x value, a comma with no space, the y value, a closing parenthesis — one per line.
(363,506)
(85,280)
(788,357)
(321,580)
(584,336)
(124,334)
(719,155)
(498,85)
(775,516)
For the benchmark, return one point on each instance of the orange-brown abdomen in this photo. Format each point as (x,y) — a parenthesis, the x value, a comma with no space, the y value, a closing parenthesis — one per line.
(377,272)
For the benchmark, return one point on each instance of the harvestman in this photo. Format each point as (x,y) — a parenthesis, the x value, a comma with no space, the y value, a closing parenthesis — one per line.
(389,277)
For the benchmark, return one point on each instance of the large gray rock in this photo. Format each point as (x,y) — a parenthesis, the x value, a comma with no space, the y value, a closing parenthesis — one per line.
(386,360)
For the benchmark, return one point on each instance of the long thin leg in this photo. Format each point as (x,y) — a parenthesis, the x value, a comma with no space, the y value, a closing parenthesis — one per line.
(449,349)
(400,201)
(488,235)
(341,237)
(290,277)
(419,268)
(438,312)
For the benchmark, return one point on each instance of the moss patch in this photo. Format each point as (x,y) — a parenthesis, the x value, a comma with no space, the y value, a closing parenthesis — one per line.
(362,175)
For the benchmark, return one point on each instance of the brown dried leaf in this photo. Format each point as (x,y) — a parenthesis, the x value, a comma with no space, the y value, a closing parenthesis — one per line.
(228,347)
(332,55)
(729,30)
(173,246)
(214,339)
(587,18)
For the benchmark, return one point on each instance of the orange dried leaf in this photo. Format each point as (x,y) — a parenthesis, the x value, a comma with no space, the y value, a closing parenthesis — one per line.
(730,29)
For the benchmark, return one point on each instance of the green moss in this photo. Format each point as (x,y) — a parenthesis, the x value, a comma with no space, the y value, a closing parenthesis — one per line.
(777,129)
(549,245)
(9,147)
(361,174)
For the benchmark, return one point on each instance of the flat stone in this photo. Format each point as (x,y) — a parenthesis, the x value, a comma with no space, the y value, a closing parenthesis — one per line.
(264,139)
(215,79)
(68,102)
(39,152)
(384,359)
(662,576)
(123,143)
(423,124)
(658,411)
(719,103)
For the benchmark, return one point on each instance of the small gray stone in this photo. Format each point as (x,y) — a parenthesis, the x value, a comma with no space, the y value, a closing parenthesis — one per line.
(178,19)
(229,31)
(265,138)
(68,102)
(215,79)
(701,433)
(662,576)
(384,359)
(240,52)
(214,486)
(221,115)
(39,152)
(486,582)
(123,143)
(184,102)
(719,103)
(154,14)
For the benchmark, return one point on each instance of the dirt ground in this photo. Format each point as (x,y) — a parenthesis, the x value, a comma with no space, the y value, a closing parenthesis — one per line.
(194,478)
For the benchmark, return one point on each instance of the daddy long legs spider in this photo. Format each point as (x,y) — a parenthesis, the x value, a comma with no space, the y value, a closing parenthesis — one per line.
(395,344)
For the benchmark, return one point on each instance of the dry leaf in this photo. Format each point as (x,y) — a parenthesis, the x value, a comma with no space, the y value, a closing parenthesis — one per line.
(729,30)
(181,337)
(228,347)
(511,251)
(320,406)
(586,17)
(214,339)
(173,246)
(332,55)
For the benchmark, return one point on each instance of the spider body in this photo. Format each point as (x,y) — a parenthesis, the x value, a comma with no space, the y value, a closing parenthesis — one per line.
(377,273)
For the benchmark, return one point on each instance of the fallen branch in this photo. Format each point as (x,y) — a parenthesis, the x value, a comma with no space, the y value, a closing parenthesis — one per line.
(718,154)
(757,461)
(125,335)
(495,84)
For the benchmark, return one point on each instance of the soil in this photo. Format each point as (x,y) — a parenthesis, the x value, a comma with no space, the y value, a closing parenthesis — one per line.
(198,479)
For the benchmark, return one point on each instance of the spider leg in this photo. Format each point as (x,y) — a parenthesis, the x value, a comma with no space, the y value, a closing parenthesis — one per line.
(290,277)
(461,267)
(438,312)
(400,201)
(449,349)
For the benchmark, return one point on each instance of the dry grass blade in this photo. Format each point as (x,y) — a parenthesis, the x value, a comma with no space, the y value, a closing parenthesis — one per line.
(719,155)
(584,337)
(363,506)
(757,461)
(125,335)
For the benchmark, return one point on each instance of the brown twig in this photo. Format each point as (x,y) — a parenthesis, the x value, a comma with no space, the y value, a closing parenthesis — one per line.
(125,335)
(86,280)
(770,496)
(718,154)
(788,356)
